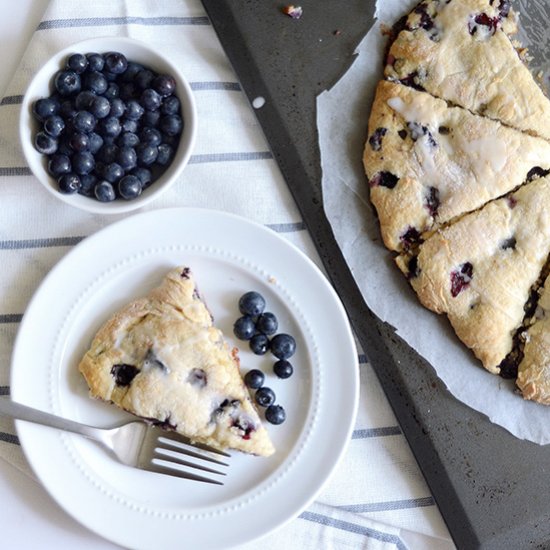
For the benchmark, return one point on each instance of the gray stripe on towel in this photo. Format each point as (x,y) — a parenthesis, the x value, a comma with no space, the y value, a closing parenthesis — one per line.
(110,21)
(389,505)
(39,243)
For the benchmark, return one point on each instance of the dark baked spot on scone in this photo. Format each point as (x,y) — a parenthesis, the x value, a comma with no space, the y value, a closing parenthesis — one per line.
(418,130)
(512,201)
(410,238)
(413,81)
(461,278)
(402,134)
(384,179)
(124,374)
(185,272)
(536,172)
(482,26)
(508,243)
(244,426)
(444,130)
(152,361)
(432,201)
(375,141)
(413,269)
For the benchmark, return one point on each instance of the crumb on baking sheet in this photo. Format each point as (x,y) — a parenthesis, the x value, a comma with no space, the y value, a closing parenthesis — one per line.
(293,11)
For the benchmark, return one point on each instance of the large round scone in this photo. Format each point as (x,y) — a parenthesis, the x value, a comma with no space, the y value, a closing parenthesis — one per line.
(161,359)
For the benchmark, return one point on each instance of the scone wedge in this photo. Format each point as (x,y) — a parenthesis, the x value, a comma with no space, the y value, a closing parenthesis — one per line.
(481,270)
(461,51)
(161,358)
(428,163)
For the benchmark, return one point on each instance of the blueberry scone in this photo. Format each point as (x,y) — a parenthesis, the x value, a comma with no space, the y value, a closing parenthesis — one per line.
(161,358)
(534,368)
(480,271)
(461,51)
(428,163)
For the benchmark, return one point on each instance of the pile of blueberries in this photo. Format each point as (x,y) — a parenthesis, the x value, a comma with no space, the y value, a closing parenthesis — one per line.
(110,128)
(259,328)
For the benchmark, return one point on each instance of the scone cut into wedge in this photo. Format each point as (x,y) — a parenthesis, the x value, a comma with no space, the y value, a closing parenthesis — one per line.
(161,359)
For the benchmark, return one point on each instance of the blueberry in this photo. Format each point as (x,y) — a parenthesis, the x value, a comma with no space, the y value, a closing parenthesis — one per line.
(275,414)
(109,126)
(170,105)
(67,109)
(95,141)
(244,328)
(95,82)
(95,62)
(146,154)
(87,185)
(84,121)
(251,303)
(104,192)
(79,141)
(127,139)
(59,164)
(144,78)
(100,107)
(107,153)
(45,107)
(150,99)
(54,125)
(77,62)
(151,136)
(150,118)
(83,100)
(164,84)
(113,172)
(127,158)
(63,146)
(267,323)
(254,379)
(264,396)
(118,107)
(67,83)
(112,91)
(171,125)
(128,90)
(165,154)
(129,187)
(259,344)
(283,346)
(115,62)
(131,71)
(134,110)
(83,163)
(129,125)
(283,369)
(69,183)
(45,144)
(144,176)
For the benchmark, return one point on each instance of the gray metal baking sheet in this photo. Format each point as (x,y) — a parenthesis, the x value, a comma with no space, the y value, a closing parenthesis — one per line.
(492,489)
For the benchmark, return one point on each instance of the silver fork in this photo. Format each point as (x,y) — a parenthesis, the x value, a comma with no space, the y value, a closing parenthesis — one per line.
(134,443)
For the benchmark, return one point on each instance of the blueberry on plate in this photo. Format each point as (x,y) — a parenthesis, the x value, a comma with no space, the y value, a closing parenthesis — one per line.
(251,303)
(87,185)
(244,327)
(83,100)
(45,107)
(109,127)
(144,78)
(77,62)
(165,154)
(67,83)
(95,142)
(127,139)
(164,84)
(118,107)
(150,99)
(79,141)
(144,175)
(150,135)
(283,369)
(171,125)
(104,192)
(275,414)
(69,183)
(254,379)
(59,164)
(146,154)
(54,125)
(100,107)
(95,82)
(259,344)
(113,172)
(115,62)
(267,323)
(83,163)
(283,346)
(45,144)
(134,110)
(170,105)
(264,396)
(127,158)
(129,187)
(95,62)
(84,121)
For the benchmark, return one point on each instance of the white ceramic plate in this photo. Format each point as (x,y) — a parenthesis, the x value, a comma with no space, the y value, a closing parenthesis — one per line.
(229,256)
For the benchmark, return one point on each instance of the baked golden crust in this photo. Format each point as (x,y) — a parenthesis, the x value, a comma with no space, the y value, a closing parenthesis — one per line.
(461,51)
(446,161)
(161,358)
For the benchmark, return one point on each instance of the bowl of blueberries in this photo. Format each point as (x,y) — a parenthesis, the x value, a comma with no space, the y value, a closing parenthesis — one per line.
(108,124)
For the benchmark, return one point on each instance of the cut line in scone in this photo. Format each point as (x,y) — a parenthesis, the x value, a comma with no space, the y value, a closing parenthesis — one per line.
(428,163)
(461,51)
(161,358)
(482,271)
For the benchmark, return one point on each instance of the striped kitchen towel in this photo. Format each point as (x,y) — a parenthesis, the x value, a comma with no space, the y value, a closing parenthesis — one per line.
(377,498)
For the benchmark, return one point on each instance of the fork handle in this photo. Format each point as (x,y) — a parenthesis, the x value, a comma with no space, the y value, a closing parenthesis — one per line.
(22,412)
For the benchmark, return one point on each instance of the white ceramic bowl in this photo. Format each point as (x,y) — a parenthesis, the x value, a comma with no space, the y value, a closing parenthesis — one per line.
(41,86)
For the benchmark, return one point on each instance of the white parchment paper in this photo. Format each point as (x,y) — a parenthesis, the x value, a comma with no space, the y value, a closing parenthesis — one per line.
(342,117)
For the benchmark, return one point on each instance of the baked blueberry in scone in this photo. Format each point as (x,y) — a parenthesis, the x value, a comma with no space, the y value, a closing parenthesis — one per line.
(461,51)
(428,163)
(480,270)
(161,358)
(534,369)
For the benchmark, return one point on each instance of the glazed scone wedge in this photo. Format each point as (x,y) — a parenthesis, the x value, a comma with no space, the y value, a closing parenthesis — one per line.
(534,369)
(460,51)
(480,270)
(161,359)
(428,163)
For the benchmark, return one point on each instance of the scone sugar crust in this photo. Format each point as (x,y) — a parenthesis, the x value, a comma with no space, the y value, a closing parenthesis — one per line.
(161,358)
